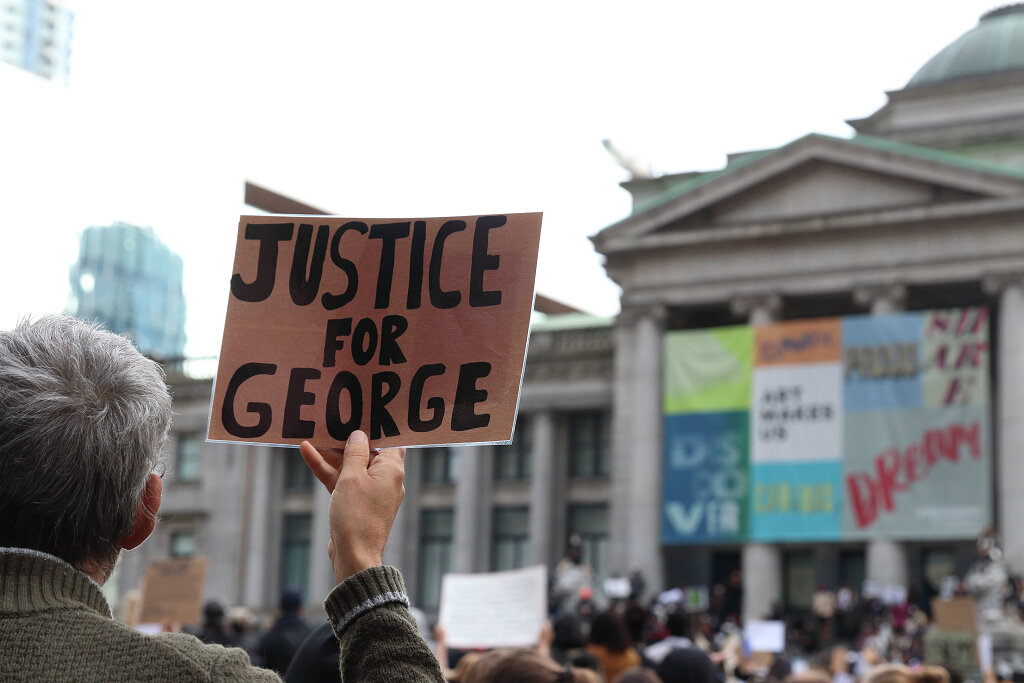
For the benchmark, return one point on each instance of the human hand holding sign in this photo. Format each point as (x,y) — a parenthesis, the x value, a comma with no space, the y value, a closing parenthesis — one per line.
(366,492)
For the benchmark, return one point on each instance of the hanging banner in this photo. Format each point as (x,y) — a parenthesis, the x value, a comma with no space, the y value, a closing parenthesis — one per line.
(707,394)
(859,427)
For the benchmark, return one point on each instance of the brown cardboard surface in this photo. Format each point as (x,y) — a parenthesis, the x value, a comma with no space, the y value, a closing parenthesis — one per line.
(172,591)
(955,615)
(457,299)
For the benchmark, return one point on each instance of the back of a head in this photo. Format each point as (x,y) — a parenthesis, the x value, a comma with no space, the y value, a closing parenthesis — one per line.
(929,674)
(83,416)
(678,624)
(889,673)
(687,665)
(291,601)
(524,666)
(609,630)
(637,675)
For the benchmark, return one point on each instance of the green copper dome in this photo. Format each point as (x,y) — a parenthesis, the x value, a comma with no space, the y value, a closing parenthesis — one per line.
(995,45)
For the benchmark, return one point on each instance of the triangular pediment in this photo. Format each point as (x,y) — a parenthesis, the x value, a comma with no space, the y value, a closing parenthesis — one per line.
(815,177)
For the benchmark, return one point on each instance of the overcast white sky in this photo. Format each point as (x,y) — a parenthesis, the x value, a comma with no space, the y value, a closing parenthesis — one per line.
(415,109)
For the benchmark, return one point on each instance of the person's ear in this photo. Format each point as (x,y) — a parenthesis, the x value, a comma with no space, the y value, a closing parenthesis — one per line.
(145,516)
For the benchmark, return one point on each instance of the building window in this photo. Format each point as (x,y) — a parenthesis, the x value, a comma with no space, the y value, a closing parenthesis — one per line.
(852,569)
(297,476)
(438,465)
(800,573)
(183,543)
(514,461)
(435,555)
(295,540)
(590,522)
(187,458)
(510,534)
(589,438)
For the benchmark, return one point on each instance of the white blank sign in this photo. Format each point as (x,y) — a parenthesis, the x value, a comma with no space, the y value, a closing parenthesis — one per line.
(765,636)
(499,609)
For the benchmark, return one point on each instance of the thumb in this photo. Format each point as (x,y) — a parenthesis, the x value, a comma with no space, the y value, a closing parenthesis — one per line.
(357,453)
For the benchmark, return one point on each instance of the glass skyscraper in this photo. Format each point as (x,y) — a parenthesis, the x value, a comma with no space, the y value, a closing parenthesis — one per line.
(130,281)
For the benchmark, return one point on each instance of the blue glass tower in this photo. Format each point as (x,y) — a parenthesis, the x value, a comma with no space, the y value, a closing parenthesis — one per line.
(129,280)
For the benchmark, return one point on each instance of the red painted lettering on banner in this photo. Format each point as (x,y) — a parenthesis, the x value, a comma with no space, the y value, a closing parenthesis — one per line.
(872,492)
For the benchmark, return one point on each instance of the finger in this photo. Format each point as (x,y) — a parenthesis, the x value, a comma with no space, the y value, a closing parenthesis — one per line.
(357,453)
(322,470)
(393,455)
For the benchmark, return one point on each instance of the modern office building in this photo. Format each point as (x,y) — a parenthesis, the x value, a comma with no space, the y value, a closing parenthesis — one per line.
(817,377)
(129,280)
(35,35)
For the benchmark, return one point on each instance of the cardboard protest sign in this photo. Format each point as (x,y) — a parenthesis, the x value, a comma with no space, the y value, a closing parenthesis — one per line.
(499,609)
(955,615)
(412,330)
(172,591)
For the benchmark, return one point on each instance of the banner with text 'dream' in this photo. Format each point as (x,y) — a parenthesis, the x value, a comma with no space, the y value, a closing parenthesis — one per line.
(829,429)
(412,330)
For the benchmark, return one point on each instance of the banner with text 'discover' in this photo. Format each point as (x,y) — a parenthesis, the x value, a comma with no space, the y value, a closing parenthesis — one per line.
(707,398)
(828,429)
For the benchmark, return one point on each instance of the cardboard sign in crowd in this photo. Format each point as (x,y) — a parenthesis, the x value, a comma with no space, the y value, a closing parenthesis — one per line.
(412,330)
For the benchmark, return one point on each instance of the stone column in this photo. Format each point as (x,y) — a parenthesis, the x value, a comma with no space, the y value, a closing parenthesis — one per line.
(885,561)
(1009,411)
(321,573)
(258,591)
(637,446)
(471,518)
(761,562)
(542,487)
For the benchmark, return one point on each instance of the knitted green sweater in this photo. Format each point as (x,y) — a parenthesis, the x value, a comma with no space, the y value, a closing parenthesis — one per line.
(55,625)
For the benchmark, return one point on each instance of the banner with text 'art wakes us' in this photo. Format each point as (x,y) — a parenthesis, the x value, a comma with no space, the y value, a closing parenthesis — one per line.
(412,330)
(829,429)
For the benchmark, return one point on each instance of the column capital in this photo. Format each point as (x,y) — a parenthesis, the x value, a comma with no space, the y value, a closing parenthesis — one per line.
(743,305)
(631,315)
(869,294)
(995,284)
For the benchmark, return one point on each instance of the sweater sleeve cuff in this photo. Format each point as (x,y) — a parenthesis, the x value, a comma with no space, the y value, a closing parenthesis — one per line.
(362,592)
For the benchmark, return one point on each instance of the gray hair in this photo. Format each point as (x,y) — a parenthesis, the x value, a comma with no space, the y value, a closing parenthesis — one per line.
(83,418)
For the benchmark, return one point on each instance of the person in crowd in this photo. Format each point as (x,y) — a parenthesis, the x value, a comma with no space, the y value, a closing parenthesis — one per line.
(609,642)
(573,578)
(83,418)
(638,675)
(889,673)
(279,644)
(212,629)
(687,665)
(524,666)
(678,625)
(569,638)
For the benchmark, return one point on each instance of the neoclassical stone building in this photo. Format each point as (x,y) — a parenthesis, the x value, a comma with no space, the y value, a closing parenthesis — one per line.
(922,208)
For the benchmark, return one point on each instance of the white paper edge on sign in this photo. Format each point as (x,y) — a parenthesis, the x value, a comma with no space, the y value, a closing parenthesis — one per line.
(442,617)
(522,370)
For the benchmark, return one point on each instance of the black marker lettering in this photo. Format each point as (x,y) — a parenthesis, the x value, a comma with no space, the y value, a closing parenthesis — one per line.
(482,262)
(336,427)
(419,239)
(269,234)
(334,301)
(303,288)
(438,297)
(294,426)
(388,234)
(434,404)
(467,395)
(227,414)
(381,422)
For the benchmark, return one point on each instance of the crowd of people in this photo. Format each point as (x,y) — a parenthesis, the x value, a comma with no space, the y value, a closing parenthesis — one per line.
(83,419)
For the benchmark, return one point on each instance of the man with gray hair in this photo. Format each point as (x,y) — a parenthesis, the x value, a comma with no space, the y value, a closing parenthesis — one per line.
(83,417)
